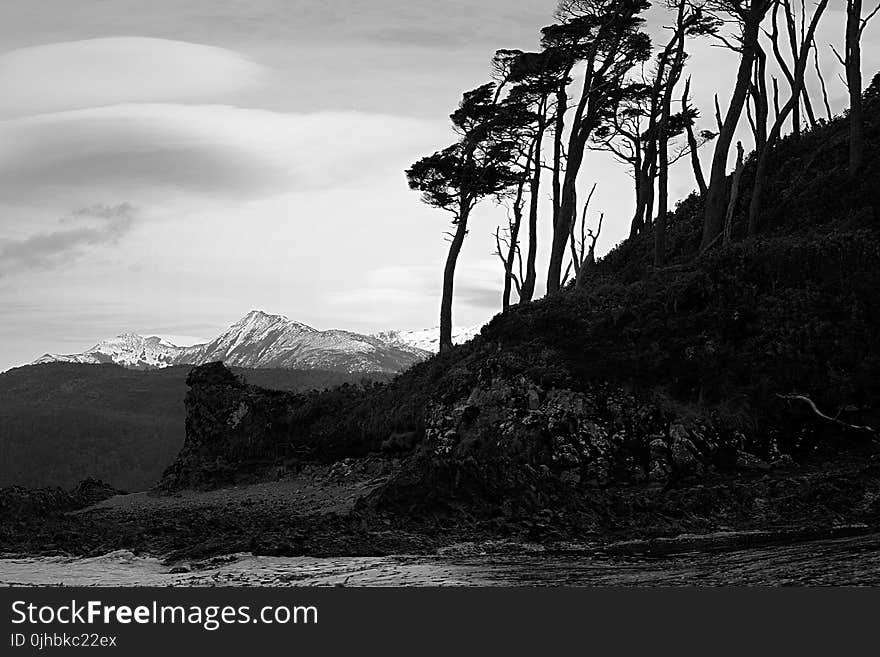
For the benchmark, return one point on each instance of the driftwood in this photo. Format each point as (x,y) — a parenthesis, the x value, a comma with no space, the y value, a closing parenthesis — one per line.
(836,420)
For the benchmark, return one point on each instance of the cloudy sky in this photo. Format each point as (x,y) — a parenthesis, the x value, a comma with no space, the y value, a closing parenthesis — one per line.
(167,166)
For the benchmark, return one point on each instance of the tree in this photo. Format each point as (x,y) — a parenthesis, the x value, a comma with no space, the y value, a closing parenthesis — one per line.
(626,137)
(748,14)
(691,115)
(606,36)
(796,41)
(460,176)
(852,63)
(583,248)
(762,150)
(534,80)
(689,22)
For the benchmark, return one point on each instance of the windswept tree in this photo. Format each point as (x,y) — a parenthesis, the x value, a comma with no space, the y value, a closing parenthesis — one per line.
(529,111)
(606,37)
(626,136)
(460,176)
(748,15)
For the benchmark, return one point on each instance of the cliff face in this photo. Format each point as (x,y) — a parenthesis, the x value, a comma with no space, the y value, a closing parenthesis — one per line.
(233,430)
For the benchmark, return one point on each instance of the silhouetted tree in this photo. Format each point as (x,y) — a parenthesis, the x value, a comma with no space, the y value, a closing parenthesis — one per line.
(690,115)
(852,63)
(748,15)
(762,151)
(606,37)
(530,109)
(460,176)
(690,21)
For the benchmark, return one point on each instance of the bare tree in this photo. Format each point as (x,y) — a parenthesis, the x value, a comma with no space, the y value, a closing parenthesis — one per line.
(748,15)
(852,63)
(693,146)
(821,77)
(762,153)
(583,246)
(796,40)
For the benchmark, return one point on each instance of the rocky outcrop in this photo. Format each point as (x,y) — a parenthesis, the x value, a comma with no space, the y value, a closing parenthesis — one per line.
(503,445)
(232,430)
(515,448)
(19,503)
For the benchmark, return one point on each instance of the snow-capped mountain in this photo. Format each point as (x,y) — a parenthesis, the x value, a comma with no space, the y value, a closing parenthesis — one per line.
(427,339)
(259,341)
(129,350)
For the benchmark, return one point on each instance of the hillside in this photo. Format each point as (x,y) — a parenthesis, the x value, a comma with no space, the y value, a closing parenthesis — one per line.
(61,423)
(639,377)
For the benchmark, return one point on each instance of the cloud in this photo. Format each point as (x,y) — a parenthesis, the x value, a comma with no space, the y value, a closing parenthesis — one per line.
(386,290)
(97,72)
(93,226)
(215,150)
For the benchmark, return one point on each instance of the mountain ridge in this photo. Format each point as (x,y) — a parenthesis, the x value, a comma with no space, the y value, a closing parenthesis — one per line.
(262,340)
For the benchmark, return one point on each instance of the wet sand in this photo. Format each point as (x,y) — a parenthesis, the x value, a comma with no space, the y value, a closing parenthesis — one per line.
(853,560)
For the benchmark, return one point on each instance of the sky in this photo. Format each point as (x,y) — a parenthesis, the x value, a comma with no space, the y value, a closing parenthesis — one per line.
(168,166)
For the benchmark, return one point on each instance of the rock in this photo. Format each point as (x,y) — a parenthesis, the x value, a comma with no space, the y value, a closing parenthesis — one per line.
(748,461)
(783,461)
(659,466)
(91,491)
(684,455)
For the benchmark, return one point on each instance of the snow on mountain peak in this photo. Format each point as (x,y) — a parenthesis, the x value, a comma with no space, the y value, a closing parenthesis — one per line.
(427,339)
(263,340)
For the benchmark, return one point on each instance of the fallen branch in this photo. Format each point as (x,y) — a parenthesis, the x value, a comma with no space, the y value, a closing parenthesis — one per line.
(809,402)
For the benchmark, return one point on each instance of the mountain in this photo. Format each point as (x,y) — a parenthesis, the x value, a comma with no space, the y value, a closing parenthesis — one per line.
(129,350)
(427,339)
(259,341)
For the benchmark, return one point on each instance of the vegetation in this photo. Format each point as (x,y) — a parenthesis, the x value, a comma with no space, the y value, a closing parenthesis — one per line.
(600,84)
(720,338)
(61,423)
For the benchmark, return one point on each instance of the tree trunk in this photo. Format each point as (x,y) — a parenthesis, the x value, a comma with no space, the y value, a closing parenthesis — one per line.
(558,136)
(449,282)
(692,144)
(854,82)
(716,199)
(510,258)
(567,212)
(527,292)
(764,148)
(734,193)
(636,225)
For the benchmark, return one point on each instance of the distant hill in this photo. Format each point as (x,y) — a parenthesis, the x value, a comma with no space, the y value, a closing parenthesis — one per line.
(63,422)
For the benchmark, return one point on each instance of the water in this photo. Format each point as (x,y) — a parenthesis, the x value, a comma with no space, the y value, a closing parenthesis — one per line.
(842,561)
